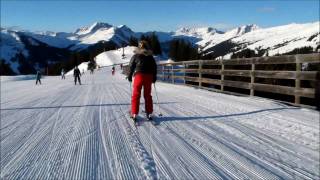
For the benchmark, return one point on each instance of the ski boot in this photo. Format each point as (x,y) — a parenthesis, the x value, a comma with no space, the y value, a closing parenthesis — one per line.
(149,117)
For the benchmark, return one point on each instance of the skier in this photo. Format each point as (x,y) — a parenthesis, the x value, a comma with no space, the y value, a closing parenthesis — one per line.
(121,66)
(113,70)
(38,77)
(63,74)
(144,69)
(76,74)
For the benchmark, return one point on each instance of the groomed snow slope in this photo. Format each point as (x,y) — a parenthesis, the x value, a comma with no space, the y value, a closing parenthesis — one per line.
(61,131)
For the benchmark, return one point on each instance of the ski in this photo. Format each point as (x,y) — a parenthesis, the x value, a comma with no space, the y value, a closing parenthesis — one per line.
(135,121)
(153,120)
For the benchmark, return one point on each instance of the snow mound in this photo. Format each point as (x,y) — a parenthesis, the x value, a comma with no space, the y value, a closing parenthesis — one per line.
(17,78)
(113,57)
(109,58)
(83,67)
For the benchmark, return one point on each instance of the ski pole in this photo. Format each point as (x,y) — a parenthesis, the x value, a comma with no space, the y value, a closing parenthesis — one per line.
(155,89)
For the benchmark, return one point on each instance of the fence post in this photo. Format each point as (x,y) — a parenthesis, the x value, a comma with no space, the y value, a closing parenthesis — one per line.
(172,74)
(222,75)
(200,72)
(252,79)
(163,77)
(184,73)
(297,81)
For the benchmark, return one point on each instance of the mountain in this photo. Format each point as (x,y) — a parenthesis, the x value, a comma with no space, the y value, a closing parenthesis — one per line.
(24,51)
(274,40)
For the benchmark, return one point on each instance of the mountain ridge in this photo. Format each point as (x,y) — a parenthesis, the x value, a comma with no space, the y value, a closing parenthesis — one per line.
(211,41)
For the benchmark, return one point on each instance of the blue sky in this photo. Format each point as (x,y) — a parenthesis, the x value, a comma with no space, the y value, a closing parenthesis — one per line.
(155,15)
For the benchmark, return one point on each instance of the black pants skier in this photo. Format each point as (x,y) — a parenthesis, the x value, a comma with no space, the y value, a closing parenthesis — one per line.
(37,81)
(77,78)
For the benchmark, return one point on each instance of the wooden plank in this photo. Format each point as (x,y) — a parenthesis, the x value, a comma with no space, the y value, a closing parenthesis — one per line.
(211,71)
(237,84)
(211,62)
(275,74)
(274,88)
(245,73)
(211,81)
(193,79)
(306,75)
(191,70)
(288,59)
(306,92)
(179,77)
(302,75)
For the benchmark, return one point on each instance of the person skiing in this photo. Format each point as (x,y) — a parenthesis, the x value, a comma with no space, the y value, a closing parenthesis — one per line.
(62,74)
(144,70)
(121,66)
(38,77)
(113,70)
(76,74)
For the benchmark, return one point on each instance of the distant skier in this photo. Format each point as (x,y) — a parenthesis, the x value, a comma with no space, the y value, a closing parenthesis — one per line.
(38,77)
(113,70)
(144,69)
(121,66)
(76,74)
(63,74)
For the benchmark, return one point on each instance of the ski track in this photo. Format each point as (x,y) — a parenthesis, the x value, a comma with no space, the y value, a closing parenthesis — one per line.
(61,131)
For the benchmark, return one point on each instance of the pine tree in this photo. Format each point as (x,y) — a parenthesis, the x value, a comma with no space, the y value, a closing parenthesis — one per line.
(133,41)
(142,37)
(181,50)
(155,44)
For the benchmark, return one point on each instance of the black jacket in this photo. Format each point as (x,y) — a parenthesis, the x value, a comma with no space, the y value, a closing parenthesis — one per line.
(38,76)
(143,62)
(76,72)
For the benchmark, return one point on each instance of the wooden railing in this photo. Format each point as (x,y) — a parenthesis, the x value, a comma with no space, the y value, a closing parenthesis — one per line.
(197,72)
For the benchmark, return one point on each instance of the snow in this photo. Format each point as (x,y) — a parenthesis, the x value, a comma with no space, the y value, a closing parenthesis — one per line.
(11,46)
(296,34)
(59,40)
(60,131)
(91,29)
(83,67)
(109,58)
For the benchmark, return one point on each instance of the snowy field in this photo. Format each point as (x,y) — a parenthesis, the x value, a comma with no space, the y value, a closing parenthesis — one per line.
(61,131)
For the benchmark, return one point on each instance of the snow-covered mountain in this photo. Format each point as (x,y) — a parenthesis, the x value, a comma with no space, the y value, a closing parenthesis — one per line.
(16,44)
(274,40)
(281,39)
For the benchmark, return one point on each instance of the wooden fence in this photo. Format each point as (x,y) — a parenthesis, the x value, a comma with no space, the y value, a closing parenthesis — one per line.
(196,72)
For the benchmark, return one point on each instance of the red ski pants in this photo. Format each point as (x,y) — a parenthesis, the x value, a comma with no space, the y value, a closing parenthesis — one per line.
(142,80)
